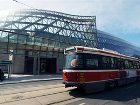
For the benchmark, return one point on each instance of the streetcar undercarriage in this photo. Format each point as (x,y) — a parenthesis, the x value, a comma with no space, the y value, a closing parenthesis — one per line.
(101,85)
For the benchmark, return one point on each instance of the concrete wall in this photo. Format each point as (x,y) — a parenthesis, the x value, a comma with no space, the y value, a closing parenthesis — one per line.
(4,57)
(18,64)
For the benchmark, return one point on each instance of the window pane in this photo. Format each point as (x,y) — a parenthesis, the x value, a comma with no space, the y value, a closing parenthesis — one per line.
(13,38)
(92,63)
(126,64)
(113,63)
(105,63)
(30,40)
(22,39)
(38,41)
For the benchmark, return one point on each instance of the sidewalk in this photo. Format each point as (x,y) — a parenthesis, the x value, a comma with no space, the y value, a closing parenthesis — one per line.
(30,78)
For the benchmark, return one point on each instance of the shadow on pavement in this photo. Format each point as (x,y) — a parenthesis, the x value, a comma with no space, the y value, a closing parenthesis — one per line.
(125,93)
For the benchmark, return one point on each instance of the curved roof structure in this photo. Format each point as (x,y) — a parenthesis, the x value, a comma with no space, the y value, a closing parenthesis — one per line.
(43,30)
(61,27)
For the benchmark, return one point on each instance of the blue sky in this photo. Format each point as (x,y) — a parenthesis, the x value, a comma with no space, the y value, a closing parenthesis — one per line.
(118,17)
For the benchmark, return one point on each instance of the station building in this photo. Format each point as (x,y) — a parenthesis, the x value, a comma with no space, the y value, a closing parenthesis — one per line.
(34,40)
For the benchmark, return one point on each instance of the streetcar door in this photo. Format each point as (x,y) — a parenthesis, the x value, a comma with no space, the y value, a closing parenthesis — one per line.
(121,66)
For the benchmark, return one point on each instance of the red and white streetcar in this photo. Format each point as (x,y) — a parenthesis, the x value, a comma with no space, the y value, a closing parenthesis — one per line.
(95,69)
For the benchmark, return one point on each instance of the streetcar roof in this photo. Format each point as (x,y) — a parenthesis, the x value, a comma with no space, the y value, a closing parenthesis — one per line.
(107,52)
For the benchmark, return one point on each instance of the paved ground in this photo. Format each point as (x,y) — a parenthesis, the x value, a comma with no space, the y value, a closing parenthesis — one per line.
(16,78)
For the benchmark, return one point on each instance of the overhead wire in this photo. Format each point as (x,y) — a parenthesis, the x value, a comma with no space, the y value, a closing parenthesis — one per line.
(24,4)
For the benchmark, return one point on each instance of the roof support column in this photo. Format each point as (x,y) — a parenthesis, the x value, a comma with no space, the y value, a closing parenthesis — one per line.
(35,65)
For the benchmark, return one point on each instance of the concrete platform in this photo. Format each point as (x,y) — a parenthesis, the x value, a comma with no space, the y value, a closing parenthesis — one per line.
(19,78)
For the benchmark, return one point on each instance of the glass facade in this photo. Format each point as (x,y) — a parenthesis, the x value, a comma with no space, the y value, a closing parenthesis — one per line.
(53,26)
(111,42)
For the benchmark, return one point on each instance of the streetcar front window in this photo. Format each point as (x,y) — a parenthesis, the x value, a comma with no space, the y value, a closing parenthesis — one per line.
(74,61)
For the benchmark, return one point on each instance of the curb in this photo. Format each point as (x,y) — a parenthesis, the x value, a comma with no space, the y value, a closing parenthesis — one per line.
(30,80)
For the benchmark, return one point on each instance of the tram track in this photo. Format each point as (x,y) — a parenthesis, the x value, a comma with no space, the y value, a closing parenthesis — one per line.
(19,98)
(27,95)
(67,101)
(62,98)
(48,96)
(27,85)
(22,91)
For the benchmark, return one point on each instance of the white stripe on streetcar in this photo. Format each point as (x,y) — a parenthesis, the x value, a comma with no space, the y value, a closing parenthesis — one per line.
(90,70)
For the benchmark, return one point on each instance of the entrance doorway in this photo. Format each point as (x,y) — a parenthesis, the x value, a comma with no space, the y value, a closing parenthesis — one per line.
(47,65)
(29,65)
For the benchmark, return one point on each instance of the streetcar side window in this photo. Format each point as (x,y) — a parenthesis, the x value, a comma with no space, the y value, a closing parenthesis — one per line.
(126,64)
(105,62)
(113,62)
(121,64)
(138,64)
(130,64)
(135,65)
(92,62)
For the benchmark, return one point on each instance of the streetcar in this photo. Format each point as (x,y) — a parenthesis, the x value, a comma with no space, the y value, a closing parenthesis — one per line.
(93,70)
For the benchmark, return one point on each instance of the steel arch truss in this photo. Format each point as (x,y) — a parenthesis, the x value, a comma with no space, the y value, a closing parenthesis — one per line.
(68,29)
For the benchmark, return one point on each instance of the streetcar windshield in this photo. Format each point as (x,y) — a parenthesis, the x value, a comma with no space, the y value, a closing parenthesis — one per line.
(74,61)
